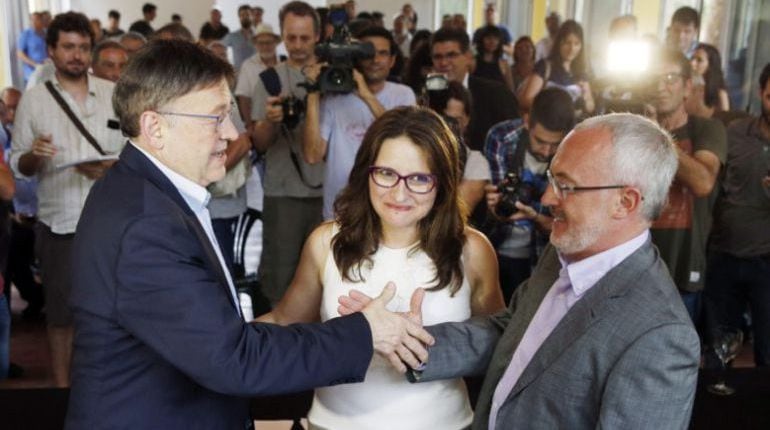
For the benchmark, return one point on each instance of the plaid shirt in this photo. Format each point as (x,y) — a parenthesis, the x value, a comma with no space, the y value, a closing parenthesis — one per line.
(500,145)
(502,142)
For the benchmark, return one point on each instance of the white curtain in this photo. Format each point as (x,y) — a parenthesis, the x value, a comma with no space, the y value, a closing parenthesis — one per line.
(16,16)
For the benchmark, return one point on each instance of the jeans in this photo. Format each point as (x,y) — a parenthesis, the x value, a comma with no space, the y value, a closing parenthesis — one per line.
(732,284)
(692,304)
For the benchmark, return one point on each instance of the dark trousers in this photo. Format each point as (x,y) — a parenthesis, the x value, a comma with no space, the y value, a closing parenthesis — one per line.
(513,271)
(287,223)
(732,283)
(21,258)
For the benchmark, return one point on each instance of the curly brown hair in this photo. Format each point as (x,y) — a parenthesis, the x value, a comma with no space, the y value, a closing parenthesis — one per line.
(442,231)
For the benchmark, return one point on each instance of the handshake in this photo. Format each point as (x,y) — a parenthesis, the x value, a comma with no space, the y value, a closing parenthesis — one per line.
(399,337)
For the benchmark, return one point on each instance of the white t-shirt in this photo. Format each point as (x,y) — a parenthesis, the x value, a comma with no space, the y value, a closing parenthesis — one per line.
(476,167)
(344,120)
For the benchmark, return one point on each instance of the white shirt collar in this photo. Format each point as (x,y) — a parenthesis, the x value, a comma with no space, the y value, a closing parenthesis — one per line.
(196,196)
(465,80)
(585,273)
(89,81)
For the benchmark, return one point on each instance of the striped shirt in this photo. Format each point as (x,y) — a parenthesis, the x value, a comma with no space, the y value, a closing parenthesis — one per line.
(62,192)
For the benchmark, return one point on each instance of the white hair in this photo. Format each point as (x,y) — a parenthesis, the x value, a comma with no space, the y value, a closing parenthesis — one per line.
(643,156)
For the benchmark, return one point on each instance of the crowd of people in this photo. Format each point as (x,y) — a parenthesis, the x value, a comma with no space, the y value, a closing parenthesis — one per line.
(541,238)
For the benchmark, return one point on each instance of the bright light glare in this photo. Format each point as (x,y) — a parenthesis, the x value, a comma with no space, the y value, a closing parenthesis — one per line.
(628,56)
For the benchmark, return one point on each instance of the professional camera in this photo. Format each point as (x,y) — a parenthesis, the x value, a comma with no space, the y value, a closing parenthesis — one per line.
(341,54)
(627,85)
(512,190)
(293,108)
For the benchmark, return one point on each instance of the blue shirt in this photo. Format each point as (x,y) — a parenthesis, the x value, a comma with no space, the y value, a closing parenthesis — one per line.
(33,45)
(25,197)
(240,42)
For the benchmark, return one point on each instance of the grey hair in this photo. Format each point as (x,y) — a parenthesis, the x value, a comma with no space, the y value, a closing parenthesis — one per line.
(643,156)
(133,35)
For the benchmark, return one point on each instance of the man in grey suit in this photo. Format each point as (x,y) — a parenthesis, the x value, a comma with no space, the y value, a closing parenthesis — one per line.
(597,337)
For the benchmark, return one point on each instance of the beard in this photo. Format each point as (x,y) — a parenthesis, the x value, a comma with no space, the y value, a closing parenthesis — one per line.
(538,157)
(76,72)
(577,240)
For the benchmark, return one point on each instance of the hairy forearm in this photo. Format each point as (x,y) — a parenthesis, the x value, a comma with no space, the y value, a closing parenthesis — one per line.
(374,105)
(244,105)
(263,134)
(313,146)
(695,175)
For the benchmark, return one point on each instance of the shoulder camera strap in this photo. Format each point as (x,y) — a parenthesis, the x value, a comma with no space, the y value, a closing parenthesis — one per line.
(272,84)
(79,125)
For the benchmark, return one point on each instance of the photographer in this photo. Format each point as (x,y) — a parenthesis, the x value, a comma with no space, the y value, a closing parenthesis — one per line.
(292,205)
(335,123)
(525,150)
(681,231)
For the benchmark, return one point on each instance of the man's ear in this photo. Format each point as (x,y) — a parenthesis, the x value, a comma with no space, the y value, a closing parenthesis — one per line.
(629,202)
(151,128)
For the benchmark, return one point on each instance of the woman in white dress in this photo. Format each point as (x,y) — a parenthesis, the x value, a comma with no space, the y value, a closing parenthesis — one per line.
(399,219)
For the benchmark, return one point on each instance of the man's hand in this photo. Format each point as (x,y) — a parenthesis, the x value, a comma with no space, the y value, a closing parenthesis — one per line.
(43,147)
(274,110)
(362,89)
(313,71)
(493,197)
(400,339)
(356,301)
(766,181)
(95,169)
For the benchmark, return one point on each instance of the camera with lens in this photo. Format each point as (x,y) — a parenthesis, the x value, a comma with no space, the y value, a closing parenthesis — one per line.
(628,86)
(293,108)
(341,55)
(512,190)
(435,92)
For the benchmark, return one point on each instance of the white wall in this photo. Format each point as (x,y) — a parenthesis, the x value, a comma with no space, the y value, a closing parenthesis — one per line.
(425,10)
(194,12)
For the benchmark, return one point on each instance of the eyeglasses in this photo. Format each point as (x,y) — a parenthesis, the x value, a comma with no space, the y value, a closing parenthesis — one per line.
(667,78)
(448,56)
(418,183)
(220,119)
(561,190)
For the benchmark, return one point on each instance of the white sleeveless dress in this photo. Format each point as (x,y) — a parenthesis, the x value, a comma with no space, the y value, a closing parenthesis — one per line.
(386,400)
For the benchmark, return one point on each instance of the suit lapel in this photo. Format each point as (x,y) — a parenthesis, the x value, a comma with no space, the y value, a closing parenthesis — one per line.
(522,310)
(591,308)
(135,160)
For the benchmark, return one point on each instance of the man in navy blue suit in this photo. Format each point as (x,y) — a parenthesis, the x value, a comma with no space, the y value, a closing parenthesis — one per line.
(159,338)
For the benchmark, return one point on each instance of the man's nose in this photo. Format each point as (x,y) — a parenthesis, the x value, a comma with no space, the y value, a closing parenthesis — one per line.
(229,132)
(549,197)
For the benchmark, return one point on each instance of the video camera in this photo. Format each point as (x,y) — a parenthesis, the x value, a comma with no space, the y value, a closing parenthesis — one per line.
(341,54)
(627,87)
